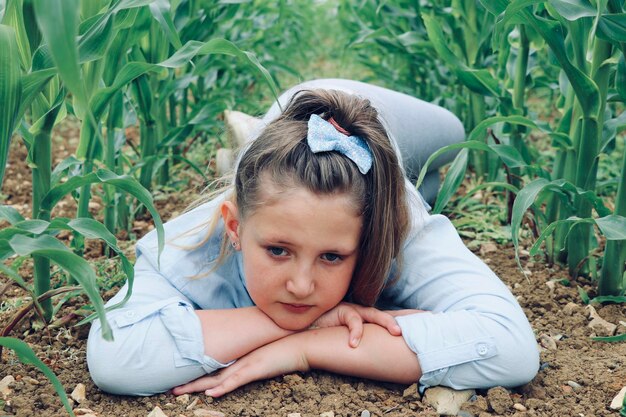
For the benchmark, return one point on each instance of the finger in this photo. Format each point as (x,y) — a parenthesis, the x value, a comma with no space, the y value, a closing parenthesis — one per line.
(198,385)
(352,319)
(382,318)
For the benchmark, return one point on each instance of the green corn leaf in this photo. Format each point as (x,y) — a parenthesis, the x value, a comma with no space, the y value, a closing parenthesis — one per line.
(479,131)
(612,27)
(103,176)
(574,9)
(478,81)
(161,11)
(10,214)
(33,84)
(64,165)
(10,91)
(620,78)
(495,7)
(586,90)
(14,17)
(613,227)
(28,357)
(616,338)
(49,247)
(512,15)
(58,21)
(583,295)
(524,199)
(618,299)
(453,179)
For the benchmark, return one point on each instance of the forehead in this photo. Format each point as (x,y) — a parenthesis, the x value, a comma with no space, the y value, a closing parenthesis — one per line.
(302,218)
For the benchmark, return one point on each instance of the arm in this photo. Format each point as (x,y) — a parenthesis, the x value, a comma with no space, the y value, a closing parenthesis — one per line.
(380,356)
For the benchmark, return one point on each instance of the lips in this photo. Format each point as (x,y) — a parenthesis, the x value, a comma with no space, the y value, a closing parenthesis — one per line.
(297,308)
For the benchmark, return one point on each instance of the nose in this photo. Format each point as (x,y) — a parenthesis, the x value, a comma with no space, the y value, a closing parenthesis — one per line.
(301,283)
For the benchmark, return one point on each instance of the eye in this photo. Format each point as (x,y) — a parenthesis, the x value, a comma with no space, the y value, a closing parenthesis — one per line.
(276,251)
(332,258)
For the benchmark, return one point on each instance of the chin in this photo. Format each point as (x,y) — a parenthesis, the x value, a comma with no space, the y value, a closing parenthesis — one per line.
(293,325)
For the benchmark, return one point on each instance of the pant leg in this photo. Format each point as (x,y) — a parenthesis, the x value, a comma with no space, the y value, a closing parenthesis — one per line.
(418,128)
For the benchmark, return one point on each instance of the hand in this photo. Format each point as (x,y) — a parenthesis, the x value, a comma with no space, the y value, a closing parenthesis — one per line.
(277,358)
(353,316)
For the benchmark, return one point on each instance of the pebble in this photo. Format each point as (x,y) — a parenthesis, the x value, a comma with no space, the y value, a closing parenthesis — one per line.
(5,389)
(208,413)
(617,402)
(446,401)
(519,407)
(570,308)
(411,393)
(464,413)
(294,415)
(193,404)
(499,399)
(488,247)
(547,342)
(328,414)
(30,380)
(365,413)
(183,399)
(157,412)
(84,412)
(78,394)
(600,326)
(575,385)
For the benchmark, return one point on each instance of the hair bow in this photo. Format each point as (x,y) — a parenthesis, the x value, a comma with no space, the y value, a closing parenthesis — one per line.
(324,137)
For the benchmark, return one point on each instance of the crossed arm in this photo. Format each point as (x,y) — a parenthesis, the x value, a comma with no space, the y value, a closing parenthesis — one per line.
(376,349)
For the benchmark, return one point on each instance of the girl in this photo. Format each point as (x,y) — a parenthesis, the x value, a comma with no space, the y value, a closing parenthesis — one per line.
(319,256)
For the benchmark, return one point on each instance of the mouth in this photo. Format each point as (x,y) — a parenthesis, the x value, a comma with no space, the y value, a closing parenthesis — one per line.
(297,308)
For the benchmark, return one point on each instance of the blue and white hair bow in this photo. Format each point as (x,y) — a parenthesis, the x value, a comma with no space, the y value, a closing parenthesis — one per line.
(324,137)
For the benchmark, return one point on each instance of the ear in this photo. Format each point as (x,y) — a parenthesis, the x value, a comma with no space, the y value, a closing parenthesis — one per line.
(230,214)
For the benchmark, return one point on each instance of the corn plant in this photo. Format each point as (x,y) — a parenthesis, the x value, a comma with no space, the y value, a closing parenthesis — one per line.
(586,43)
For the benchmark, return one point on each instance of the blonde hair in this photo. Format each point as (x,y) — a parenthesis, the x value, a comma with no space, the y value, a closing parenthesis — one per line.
(281,155)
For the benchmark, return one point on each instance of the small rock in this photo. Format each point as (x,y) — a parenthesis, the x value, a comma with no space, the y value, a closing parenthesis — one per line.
(600,326)
(575,385)
(365,413)
(207,413)
(488,247)
(30,380)
(193,404)
(294,415)
(551,285)
(328,414)
(5,388)
(567,389)
(475,405)
(78,394)
(446,401)
(618,401)
(84,412)
(411,393)
(570,308)
(183,399)
(499,399)
(523,253)
(547,342)
(463,413)
(157,412)
(519,407)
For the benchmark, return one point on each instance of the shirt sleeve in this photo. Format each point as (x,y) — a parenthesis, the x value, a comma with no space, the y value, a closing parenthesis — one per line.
(474,333)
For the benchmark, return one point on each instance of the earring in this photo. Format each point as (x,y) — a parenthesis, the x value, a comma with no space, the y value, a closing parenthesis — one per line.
(235,244)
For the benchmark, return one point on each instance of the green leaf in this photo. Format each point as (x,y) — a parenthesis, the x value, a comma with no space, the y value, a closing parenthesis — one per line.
(15,277)
(620,78)
(161,11)
(10,214)
(49,247)
(103,176)
(616,338)
(58,21)
(574,9)
(583,295)
(479,130)
(28,357)
(10,91)
(612,27)
(453,179)
(618,299)
(524,199)
(613,227)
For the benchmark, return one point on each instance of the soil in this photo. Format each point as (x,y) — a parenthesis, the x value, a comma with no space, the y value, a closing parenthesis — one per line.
(578,376)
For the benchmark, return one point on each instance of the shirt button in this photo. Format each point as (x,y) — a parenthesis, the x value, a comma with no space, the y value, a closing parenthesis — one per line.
(482,349)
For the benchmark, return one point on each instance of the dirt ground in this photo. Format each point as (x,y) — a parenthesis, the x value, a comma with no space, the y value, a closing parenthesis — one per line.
(578,377)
